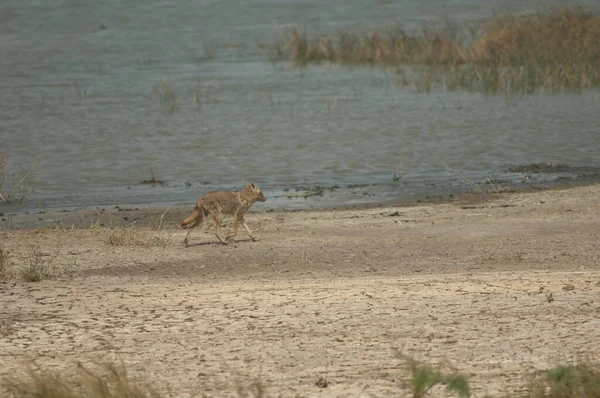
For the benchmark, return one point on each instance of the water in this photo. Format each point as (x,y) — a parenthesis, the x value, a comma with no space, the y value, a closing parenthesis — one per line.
(85,90)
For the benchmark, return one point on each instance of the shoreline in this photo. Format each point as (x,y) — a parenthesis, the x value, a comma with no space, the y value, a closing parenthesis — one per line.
(114,215)
(313,197)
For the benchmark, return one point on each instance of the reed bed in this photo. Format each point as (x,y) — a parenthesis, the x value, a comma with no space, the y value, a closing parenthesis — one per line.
(558,50)
(393,47)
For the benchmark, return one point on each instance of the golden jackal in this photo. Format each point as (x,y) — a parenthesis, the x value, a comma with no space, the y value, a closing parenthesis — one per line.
(220,203)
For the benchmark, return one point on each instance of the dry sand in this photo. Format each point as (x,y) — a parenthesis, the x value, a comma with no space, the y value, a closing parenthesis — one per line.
(496,287)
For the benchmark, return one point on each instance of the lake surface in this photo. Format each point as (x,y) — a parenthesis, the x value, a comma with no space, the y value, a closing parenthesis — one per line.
(100,92)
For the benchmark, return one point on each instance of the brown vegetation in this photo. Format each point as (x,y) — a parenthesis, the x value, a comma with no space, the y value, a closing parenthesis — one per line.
(40,266)
(391,48)
(132,236)
(557,50)
(31,266)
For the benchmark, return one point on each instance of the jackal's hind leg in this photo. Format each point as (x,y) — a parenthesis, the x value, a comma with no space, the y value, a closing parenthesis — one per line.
(235,228)
(218,219)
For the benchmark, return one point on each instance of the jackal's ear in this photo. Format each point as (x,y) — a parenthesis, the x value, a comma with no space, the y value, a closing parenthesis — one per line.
(253,186)
(247,185)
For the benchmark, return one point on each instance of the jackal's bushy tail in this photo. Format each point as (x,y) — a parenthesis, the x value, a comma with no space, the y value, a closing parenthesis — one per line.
(197,213)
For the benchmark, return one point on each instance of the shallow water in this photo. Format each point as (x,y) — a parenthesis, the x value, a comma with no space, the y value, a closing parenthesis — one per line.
(101,92)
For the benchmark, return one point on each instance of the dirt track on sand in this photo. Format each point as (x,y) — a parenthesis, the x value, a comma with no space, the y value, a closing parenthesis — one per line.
(331,294)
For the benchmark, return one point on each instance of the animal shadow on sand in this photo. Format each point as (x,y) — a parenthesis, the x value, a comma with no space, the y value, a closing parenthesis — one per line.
(217,243)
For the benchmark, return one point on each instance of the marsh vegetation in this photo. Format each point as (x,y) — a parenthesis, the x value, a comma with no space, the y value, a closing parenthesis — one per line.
(558,50)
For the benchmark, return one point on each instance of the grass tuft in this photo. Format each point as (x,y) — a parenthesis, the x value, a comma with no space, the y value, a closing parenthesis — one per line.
(568,381)
(423,378)
(39,266)
(6,271)
(19,186)
(458,384)
(168,97)
(36,268)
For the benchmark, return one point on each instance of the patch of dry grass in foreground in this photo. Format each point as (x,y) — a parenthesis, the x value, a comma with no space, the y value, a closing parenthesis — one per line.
(580,380)
(113,382)
(553,51)
(110,381)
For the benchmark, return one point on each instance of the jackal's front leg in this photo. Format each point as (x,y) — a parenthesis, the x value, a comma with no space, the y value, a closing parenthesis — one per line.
(254,239)
(187,236)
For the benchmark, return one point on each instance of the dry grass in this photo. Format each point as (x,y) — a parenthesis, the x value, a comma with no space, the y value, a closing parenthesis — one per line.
(112,383)
(553,51)
(158,224)
(169,98)
(6,271)
(154,235)
(40,266)
(35,267)
(20,185)
(132,236)
(557,37)
(172,100)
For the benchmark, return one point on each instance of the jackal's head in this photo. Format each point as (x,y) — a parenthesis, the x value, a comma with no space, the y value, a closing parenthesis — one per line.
(256,190)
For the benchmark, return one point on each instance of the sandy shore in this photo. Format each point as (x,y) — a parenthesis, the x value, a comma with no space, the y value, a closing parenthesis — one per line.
(496,287)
